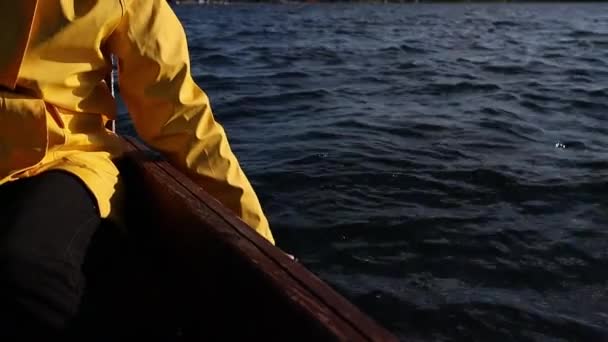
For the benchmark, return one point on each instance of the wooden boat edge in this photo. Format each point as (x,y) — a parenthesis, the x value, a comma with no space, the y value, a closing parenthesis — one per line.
(304,291)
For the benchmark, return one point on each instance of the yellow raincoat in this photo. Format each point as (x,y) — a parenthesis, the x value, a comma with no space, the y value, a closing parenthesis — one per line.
(54,104)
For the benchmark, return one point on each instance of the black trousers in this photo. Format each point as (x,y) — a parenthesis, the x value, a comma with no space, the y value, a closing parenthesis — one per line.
(46,226)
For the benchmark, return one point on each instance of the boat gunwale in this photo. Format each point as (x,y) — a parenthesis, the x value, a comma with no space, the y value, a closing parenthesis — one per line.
(304,291)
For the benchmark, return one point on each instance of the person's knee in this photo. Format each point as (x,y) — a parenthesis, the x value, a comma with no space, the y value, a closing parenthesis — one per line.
(28,269)
(45,289)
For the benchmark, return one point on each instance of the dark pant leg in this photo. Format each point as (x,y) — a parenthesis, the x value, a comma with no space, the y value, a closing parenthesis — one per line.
(46,224)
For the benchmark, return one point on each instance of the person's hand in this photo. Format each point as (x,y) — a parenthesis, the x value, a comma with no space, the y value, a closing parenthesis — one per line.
(291,257)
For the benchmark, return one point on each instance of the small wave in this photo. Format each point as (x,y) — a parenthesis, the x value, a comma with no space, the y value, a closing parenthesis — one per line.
(483,45)
(553,55)
(593,164)
(539,96)
(602,93)
(506,69)
(288,74)
(374,79)
(260,49)
(459,87)
(593,61)
(600,43)
(505,23)
(215,59)
(580,72)
(581,79)
(505,96)
(534,106)
(586,34)
(498,112)
(322,54)
(407,65)
(248,33)
(401,48)
(384,128)
(482,177)
(277,99)
(584,104)
(408,48)
(429,127)
(489,146)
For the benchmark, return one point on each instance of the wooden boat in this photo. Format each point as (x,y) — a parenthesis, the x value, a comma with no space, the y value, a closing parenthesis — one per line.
(187,269)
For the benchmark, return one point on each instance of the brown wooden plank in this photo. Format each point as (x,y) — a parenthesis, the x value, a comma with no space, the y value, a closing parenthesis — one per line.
(304,292)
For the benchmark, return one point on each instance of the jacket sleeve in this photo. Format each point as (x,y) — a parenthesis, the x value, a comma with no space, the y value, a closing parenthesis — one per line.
(171,113)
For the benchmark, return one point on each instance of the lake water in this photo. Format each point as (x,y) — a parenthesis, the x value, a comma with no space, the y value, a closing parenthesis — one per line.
(445,167)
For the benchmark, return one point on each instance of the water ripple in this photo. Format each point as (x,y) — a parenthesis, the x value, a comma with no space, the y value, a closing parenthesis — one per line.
(443,166)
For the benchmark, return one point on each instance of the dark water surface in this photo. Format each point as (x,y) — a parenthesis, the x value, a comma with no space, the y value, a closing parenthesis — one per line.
(445,167)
